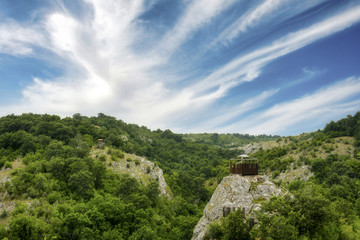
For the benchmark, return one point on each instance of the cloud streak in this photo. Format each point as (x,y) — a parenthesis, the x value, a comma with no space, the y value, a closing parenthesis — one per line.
(247,67)
(264,12)
(317,105)
(18,40)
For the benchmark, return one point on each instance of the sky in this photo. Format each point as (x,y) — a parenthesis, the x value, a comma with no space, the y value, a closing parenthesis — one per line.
(280,67)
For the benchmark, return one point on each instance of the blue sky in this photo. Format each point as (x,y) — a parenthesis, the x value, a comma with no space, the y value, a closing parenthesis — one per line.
(252,66)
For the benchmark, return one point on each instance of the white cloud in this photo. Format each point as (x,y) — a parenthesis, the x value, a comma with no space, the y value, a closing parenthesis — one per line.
(116,78)
(247,67)
(263,13)
(222,116)
(197,14)
(317,105)
(18,40)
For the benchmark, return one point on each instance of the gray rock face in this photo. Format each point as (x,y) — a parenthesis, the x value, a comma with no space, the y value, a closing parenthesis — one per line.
(144,171)
(251,148)
(235,191)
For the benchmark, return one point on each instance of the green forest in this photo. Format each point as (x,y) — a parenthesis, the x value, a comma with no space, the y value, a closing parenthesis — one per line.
(59,190)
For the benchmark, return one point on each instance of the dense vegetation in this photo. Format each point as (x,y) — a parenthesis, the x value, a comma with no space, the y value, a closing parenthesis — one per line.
(349,126)
(64,193)
(228,140)
(61,192)
(325,207)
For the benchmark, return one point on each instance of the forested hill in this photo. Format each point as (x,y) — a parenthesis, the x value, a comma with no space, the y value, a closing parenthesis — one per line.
(62,191)
(53,185)
(227,140)
(321,170)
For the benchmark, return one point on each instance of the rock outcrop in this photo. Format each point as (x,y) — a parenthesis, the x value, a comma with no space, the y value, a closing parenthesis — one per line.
(144,171)
(236,191)
(137,167)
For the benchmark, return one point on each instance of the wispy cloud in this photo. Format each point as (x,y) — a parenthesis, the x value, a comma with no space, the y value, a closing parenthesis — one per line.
(317,105)
(227,115)
(18,40)
(197,14)
(260,14)
(248,67)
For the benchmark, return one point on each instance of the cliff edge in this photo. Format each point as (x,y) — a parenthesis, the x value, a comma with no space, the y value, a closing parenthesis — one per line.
(236,191)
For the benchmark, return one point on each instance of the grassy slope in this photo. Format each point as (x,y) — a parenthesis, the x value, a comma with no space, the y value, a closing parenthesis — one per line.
(301,149)
(226,140)
(8,204)
(303,146)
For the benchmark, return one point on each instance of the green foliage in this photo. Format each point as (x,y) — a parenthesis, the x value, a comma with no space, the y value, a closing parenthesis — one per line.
(23,226)
(7,165)
(276,227)
(272,159)
(323,208)
(82,183)
(232,227)
(349,126)
(229,140)
(102,158)
(3,214)
(76,197)
(73,196)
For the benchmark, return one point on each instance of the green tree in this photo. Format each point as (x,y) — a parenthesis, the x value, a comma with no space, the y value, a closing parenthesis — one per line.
(23,226)
(82,183)
(232,227)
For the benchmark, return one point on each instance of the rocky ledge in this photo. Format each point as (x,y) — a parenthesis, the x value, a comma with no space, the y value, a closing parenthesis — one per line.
(236,191)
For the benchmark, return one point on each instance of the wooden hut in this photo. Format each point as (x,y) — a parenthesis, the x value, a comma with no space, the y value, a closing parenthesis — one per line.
(244,165)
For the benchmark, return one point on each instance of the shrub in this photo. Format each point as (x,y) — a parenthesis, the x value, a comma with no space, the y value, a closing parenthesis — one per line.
(3,214)
(7,165)
(119,154)
(102,158)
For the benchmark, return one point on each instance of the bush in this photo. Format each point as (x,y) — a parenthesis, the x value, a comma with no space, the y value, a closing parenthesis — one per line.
(276,174)
(4,214)
(2,162)
(7,165)
(120,154)
(233,227)
(53,197)
(102,158)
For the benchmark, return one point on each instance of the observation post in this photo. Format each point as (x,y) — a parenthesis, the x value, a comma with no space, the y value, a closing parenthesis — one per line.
(101,143)
(244,165)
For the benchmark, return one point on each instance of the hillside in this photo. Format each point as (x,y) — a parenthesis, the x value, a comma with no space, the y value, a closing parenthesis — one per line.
(57,181)
(321,170)
(143,170)
(228,140)
(142,184)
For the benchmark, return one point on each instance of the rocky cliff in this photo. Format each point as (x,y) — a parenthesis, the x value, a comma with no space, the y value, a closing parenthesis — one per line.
(236,191)
(137,167)
(144,171)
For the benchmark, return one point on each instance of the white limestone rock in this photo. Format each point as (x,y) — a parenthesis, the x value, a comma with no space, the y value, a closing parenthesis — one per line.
(235,191)
(144,171)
